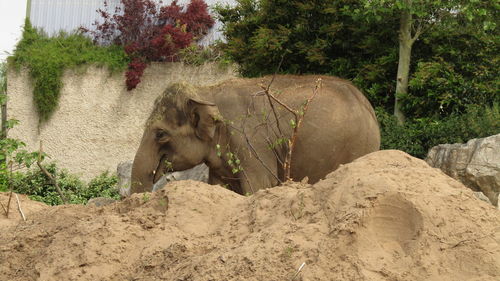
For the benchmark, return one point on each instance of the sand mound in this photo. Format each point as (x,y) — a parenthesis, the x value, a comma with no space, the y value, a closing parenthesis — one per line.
(386,216)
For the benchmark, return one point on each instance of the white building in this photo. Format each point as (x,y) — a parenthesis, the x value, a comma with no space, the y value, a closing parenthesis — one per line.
(68,15)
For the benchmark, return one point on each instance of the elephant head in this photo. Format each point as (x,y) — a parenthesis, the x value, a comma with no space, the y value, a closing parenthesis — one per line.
(178,135)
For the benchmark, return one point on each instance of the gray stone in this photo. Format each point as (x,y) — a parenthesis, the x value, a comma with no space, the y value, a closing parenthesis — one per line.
(479,195)
(198,173)
(476,164)
(124,172)
(100,201)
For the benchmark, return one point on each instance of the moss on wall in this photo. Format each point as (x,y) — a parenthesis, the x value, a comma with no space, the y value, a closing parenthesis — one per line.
(48,57)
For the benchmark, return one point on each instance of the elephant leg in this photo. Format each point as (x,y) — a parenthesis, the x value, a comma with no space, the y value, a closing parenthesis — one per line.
(256,176)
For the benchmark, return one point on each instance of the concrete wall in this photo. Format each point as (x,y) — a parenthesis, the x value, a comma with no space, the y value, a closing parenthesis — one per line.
(98,123)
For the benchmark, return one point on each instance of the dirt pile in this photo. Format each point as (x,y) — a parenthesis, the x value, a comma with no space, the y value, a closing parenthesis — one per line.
(386,216)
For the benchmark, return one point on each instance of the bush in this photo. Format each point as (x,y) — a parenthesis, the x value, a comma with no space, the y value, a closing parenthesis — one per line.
(199,55)
(416,137)
(151,32)
(314,36)
(453,69)
(38,187)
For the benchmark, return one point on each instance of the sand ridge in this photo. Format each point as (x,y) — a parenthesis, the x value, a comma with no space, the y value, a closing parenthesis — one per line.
(386,216)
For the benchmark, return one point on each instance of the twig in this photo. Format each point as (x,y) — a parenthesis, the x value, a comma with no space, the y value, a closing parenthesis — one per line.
(254,152)
(298,271)
(10,194)
(49,175)
(4,210)
(19,207)
(248,181)
(8,204)
(260,160)
(266,91)
(299,117)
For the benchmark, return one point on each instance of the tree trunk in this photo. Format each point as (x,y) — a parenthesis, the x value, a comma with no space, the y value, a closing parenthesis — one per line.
(405,44)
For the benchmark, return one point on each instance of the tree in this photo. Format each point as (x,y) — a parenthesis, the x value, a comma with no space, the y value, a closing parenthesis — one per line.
(419,16)
(452,68)
(313,36)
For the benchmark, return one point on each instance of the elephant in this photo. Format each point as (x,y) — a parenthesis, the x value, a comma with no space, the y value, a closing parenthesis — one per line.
(243,133)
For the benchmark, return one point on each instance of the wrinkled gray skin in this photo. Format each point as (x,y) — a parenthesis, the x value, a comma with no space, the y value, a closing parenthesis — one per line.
(193,125)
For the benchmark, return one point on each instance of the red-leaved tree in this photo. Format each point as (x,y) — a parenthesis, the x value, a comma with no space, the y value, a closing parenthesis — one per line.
(149,31)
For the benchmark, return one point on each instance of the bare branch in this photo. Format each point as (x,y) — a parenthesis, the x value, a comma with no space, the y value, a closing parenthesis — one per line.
(4,210)
(270,144)
(248,181)
(266,91)
(49,175)
(8,204)
(299,117)
(19,208)
(254,152)
(418,32)
(10,187)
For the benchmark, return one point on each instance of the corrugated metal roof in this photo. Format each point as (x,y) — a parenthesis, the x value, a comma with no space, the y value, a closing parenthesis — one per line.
(55,15)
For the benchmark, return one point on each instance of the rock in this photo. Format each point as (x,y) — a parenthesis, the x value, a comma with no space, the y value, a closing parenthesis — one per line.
(198,173)
(476,164)
(100,201)
(479,195)
(124,172)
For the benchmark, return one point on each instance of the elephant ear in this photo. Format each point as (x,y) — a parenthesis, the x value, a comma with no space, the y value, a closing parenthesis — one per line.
(204,117)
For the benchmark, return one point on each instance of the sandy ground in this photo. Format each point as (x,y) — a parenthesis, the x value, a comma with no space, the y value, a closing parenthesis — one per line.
(386,216)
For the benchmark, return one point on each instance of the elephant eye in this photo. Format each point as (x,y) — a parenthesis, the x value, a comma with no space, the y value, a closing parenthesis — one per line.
(162,136)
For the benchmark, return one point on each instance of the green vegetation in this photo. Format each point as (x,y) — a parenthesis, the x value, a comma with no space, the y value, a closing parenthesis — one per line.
(3,80)
(13,156)
(199,55)
(15,175)
(416,136)
(451,64)
(48,57)
(38,187)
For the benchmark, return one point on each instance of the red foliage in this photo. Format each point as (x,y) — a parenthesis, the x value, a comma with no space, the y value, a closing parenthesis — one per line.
(134,73)
(196,17)
(150,32)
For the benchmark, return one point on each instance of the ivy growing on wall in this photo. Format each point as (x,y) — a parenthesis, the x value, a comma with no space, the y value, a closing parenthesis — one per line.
(46,58)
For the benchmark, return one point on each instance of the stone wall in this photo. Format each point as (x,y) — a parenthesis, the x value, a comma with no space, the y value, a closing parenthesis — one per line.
(98,123)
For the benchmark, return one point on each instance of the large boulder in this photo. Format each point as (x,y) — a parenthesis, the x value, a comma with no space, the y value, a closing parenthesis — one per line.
(475,163)
(124,172)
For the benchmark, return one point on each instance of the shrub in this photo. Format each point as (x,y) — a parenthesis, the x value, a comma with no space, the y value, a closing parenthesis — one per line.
(199,55)
(417,136)
(103,185)
(151,32)
(38,187)
(454,68)
(13,156)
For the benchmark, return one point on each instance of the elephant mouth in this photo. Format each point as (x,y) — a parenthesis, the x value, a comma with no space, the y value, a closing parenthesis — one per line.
(158,172)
